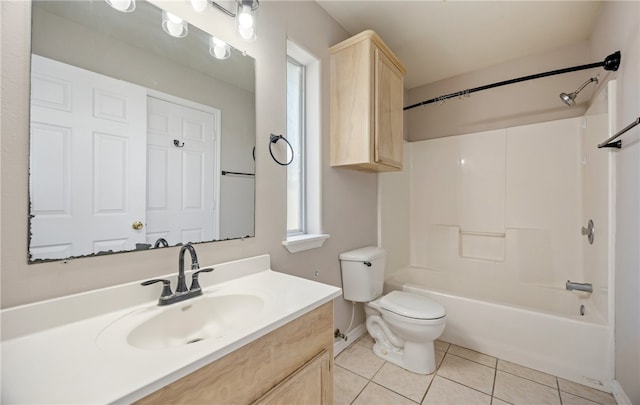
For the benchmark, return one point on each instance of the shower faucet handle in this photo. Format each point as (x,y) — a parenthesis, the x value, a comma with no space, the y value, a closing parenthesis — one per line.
(589,231)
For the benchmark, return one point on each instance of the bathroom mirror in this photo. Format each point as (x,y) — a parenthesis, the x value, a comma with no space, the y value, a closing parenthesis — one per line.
(137,137)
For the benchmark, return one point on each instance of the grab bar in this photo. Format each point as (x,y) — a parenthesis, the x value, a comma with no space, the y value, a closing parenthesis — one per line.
(609,142)
(572,285)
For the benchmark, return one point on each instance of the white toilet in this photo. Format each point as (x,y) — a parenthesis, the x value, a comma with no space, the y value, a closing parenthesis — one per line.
(404,325)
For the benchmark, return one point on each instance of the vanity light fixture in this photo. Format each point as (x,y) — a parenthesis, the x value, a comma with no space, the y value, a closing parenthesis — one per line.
(125,6)
(174,25)
(246,15)
(218,48)
(246,19)
(199,5)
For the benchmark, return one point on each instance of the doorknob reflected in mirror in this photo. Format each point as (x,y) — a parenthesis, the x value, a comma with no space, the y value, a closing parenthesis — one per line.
(137,225)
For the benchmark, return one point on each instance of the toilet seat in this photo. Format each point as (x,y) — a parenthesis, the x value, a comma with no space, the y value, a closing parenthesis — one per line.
(412,305)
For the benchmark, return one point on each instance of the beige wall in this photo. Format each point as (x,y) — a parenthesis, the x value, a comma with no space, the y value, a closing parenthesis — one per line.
(506,106)
(619,27)
(349,198)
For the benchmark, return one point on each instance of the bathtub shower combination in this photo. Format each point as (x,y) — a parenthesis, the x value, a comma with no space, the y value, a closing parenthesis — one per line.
(510,231)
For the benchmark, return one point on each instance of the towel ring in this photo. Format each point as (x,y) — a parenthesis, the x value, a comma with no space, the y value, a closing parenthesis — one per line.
(274,139)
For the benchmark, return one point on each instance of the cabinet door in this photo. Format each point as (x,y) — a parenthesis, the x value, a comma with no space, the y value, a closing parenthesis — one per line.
(389,89)
(310,384)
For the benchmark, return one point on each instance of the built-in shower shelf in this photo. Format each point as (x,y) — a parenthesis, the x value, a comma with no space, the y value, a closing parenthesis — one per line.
(482,245)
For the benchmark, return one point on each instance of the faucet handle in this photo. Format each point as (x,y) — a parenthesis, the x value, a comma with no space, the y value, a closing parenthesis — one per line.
(166,286)
(195,286)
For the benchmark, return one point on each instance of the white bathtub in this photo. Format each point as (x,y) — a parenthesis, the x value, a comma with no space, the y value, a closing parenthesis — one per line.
(536,326)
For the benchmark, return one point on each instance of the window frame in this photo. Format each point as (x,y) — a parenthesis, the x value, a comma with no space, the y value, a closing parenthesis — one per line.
(312,237)
(301,153)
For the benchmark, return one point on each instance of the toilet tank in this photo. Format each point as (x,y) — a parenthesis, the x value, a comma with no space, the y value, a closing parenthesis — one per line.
(362,273)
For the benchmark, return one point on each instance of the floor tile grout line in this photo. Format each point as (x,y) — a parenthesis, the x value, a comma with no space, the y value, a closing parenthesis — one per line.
(517,375)
(392,390)
(464,358)
(424,396)
(474,351)
(530,380)
(359,392)
(466,386)
(495,378)
(447,351)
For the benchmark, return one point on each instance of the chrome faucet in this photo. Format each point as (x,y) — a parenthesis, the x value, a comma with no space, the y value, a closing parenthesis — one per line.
(182,292)
(182,285)
(572,285)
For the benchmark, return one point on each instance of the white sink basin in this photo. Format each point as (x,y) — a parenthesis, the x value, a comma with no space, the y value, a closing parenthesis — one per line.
(188,322)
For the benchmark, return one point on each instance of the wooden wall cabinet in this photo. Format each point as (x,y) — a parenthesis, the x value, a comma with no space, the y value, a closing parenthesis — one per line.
(291,365)
(367,90)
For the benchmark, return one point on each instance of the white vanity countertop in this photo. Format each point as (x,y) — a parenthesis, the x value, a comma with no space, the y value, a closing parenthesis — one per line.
(45,361)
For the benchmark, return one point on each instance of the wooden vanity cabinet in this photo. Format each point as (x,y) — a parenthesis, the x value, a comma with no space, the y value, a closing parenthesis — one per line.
(291,365)
(367,91)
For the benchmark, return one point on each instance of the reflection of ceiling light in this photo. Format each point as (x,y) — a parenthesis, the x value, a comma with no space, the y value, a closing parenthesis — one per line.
(174,25)
(122,5)
(218,48)
(246,17)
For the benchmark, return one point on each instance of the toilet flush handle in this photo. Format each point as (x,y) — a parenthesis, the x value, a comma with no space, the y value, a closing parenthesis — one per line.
(368,264)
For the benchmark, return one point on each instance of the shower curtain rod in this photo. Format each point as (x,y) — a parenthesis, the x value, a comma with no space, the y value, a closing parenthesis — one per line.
(611,62)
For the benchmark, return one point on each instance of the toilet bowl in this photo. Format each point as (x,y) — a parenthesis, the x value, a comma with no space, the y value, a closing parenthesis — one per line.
(406,341)
(404,325)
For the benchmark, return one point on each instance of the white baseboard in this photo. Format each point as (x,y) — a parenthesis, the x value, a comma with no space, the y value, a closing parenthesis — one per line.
(619,394)
(339,344)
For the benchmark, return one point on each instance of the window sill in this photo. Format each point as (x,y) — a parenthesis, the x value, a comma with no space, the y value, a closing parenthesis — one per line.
(299,243)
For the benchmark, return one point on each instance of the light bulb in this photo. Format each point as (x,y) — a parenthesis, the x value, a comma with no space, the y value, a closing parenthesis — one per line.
(246,33)
(218,48)
(122,5)
(199,5)
(174,18)
(218,42)
(245,19)
(173,25)
(219,52)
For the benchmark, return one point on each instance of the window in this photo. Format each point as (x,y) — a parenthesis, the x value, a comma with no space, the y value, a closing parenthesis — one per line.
(296,219)
(303,133)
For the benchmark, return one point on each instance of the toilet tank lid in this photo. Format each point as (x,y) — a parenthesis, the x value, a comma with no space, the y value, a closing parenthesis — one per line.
(363,254)
(412,305)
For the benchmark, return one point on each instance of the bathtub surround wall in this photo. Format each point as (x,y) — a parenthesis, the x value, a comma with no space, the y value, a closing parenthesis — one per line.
(505,206)
(349,219)
(495,220)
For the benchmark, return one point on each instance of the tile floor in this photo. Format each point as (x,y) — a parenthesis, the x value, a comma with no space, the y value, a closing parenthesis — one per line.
(462,377)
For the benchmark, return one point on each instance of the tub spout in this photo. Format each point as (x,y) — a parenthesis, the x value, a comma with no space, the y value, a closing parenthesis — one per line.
(571,285)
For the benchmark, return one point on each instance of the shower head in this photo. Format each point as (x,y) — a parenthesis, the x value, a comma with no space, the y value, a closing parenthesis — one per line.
(570,99)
